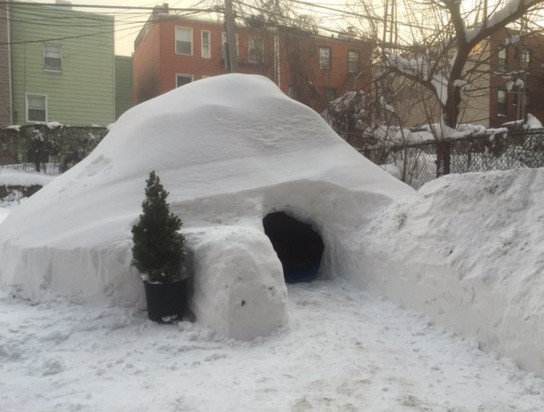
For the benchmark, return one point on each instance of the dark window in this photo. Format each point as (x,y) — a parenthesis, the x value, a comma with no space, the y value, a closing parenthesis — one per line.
(184,41)
(256,50)
(503,59)
(183,79)
(36,108)
(502,108)
(292,91)
(52,57)
(525,59)
(224,46)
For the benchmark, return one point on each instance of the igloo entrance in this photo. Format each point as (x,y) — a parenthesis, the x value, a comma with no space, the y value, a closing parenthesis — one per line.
(299,247)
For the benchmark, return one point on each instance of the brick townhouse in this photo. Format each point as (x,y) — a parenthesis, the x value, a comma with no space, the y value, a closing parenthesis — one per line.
(171,51)
(517,77)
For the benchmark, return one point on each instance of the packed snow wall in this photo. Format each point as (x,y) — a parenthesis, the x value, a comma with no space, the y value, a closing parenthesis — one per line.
(467,250)
(230,150)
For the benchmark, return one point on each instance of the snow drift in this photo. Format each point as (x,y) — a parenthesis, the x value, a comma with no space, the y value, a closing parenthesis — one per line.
(229,149)
(467,250)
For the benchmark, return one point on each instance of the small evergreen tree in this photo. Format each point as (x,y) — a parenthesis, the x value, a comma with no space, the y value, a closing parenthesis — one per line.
(159,249)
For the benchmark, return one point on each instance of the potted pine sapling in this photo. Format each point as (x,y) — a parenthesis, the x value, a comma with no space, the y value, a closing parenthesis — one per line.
(158,253)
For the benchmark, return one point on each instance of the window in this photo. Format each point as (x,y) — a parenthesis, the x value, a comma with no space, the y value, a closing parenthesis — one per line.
(205,45)
(292,92)
(184,41)
(183,79)
(224,45)
(353,61)
(324,58)
(525,59)
(331,94)
(502,108)
(52,57)
(36,108)
(256,50)
(503,60)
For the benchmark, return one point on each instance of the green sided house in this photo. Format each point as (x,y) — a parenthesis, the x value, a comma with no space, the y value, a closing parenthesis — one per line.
(62,65)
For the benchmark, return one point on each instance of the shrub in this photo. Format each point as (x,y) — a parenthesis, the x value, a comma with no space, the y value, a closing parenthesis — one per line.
(158,251)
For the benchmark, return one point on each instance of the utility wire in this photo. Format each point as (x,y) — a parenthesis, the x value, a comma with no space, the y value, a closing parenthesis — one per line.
(95,6)
(33,16)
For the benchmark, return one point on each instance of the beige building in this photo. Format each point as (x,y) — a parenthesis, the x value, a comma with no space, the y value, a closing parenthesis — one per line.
(417,106)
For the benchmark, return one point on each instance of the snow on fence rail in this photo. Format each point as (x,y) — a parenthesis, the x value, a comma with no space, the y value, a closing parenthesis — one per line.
(48,148)
(52,149)
(416,163)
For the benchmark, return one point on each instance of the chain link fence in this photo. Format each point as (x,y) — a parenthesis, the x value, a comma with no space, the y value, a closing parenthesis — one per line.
(49,149)
(54,150)
(417,164)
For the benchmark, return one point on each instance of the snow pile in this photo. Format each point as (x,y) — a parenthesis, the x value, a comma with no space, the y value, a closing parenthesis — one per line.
(533,122)
(229,149)
(467,250)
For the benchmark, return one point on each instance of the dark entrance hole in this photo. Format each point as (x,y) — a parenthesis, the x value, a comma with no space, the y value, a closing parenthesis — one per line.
(299,247)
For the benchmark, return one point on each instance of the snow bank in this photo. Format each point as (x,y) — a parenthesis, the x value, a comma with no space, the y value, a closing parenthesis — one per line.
(467,250)
(229,149)
(533,122)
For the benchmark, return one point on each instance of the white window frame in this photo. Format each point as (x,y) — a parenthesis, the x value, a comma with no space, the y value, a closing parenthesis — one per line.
(187,75)
(206,52)
(525,59)
(321,60)
(255,50)
(224,45)
(52,51)
(180,29)
(27,107)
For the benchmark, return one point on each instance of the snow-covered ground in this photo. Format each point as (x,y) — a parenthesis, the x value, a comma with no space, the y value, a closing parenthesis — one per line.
(344,350)
(464,250)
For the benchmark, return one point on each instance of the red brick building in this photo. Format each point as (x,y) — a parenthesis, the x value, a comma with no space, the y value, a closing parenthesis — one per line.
(517,77)
(171,51)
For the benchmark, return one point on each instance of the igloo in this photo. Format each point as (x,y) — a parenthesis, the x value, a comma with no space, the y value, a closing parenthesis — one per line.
(231,150)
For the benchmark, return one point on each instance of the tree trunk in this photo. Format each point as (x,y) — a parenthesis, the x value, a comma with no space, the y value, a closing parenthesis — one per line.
(450,115)
(443,157)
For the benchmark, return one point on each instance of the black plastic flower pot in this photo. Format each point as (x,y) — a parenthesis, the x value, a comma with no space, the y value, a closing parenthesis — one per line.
(166,302)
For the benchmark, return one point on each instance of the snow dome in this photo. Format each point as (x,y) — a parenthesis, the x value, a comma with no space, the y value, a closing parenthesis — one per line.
(231,150)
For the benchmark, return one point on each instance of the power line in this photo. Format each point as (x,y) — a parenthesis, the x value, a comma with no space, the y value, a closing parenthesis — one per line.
(95,6)
(35,15)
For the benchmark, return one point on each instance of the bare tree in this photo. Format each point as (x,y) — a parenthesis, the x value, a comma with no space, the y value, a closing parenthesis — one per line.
(439,61)
(439,45)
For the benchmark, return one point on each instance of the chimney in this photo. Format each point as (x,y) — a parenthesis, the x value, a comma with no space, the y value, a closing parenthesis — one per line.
(162,9)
